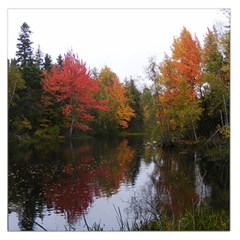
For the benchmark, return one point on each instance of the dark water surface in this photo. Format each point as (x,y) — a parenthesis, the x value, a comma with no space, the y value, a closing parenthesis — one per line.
(73,185)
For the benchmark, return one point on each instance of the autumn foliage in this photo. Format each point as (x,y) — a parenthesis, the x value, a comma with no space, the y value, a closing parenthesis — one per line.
(119,102)
(73,87)
(179,78)
(189,94)
(115,92)
(186,55)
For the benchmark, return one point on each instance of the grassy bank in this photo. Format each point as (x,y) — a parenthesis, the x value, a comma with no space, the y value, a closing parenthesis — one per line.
(197,220)
(204,219)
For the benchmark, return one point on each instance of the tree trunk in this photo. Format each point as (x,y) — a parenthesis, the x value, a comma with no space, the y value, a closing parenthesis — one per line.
(13,92)
(221,118)
(71,127)
(73,153)
(225,109)
(194,132)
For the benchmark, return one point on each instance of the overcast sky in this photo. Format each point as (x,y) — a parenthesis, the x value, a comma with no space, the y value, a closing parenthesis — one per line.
(121,39)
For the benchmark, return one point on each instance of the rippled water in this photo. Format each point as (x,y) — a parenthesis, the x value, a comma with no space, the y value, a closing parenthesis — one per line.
(74,185)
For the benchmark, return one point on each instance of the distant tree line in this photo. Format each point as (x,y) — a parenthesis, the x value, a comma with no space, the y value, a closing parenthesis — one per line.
(189,95)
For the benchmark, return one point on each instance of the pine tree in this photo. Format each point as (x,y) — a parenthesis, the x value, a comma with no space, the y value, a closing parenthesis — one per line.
(39,58)
(47,65)
(24,53)
(30,66)
(134,96)
(59,60)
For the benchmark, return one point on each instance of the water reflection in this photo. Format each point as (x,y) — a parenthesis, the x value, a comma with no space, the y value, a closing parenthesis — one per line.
(84,172)
(178,181)
(74,178)
(27,175)
(203,190)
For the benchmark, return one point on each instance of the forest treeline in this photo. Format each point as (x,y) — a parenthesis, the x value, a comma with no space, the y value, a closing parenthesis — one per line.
(189,96)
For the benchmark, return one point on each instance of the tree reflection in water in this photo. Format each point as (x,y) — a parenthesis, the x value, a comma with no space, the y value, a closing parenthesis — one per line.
(173,186)
(86,177)
(67,180)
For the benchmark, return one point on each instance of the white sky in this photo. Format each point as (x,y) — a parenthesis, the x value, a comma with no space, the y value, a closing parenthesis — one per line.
(122,39)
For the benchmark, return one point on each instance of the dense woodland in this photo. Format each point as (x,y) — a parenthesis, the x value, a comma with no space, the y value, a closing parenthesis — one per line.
(189,97)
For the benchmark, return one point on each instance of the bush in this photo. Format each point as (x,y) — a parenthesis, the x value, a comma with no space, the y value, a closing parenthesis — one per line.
(51,132)
(192,220)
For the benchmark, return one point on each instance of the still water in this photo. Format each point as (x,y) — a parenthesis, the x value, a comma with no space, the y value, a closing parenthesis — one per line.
(108,183)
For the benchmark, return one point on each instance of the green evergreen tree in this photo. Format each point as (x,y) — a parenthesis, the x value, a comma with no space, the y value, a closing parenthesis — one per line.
(24,52)
(30,105)
(134,96)
(39,58)
(47,65)
(59,60)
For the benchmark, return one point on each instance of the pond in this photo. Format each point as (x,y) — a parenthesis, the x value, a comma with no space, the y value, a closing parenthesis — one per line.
(107,183)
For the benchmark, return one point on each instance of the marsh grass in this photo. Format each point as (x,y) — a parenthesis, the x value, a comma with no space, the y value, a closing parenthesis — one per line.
(205,219)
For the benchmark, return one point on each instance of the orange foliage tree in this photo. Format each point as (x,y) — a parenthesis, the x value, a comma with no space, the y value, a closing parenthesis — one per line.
(119,102)
(180,81)
(186,55)
(120,113)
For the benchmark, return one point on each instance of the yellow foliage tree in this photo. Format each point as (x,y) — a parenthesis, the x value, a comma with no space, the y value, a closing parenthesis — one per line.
(115,93)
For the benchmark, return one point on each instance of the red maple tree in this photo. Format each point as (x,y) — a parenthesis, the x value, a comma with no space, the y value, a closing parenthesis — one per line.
(72,86)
